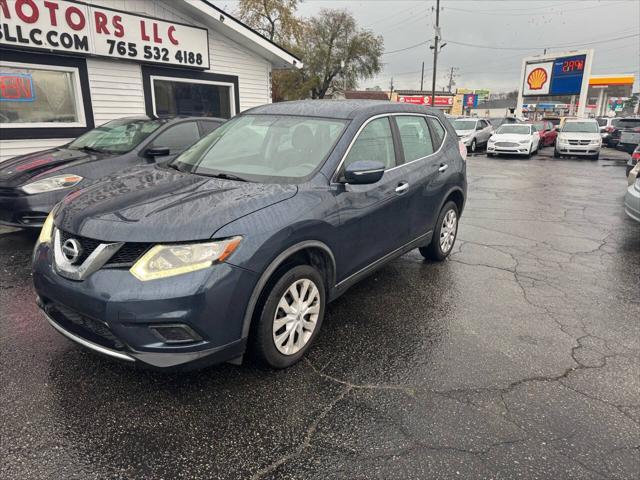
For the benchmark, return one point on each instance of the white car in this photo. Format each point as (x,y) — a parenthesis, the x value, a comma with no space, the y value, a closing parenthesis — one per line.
(580,137)
(472,132)
(514,139)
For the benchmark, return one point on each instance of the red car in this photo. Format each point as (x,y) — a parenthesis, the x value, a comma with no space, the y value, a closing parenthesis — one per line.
(547,131)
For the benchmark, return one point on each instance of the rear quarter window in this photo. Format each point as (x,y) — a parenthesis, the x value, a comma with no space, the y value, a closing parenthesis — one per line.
(437,132)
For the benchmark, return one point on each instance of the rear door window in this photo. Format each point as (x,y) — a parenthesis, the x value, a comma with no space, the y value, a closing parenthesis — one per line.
(414,137)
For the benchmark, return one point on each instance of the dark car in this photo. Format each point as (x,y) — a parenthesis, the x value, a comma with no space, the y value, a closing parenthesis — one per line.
(547,131)
(30,185)
(244,238)
(623,133)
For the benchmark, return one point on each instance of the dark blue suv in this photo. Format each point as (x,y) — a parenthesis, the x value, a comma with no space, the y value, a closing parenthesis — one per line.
(241,241)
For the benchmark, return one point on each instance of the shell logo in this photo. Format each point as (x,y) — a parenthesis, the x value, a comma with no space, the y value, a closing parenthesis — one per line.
(537,78)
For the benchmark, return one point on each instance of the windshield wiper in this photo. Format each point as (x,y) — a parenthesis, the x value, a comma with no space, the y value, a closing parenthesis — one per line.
(92,149)
(229,176)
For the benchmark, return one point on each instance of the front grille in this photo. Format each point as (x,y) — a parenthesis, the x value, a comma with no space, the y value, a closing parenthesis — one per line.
(127,255)
(124,257)
(506,144)
(579,142)
(86,327)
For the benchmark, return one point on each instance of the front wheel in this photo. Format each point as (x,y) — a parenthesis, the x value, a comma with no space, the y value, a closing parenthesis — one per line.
(595,157)
(291,317)
(445,234)
(473,146)
(556,154)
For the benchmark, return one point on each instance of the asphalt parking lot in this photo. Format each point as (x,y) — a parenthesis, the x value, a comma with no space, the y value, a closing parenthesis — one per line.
(519,357)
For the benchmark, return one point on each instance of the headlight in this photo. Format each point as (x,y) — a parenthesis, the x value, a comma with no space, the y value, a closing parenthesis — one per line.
(46,233)
(491,140)
(595,142)
(164,261)
(50,184)
(524,141)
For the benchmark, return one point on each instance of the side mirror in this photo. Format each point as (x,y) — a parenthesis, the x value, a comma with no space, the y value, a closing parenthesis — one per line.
(363,172)
(479,127)
(157,152)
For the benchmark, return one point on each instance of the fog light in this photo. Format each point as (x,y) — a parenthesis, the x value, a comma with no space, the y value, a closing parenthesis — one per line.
(175,333)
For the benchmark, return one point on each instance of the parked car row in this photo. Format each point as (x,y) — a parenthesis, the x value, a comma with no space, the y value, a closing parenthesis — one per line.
(632,197)
(237,243)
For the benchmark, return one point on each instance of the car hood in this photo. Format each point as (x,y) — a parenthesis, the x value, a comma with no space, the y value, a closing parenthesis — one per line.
(158,204)
(579,136)
(510,137)
(19,170)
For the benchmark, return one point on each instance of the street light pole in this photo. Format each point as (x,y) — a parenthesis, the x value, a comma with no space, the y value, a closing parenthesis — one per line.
(435,54)
(422,78)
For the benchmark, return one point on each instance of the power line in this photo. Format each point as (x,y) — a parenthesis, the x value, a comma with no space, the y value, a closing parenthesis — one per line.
(406,48)
(580,44)
(499,12)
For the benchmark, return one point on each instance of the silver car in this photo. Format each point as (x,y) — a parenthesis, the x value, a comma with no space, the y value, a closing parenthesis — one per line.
(473,132)
(632,200)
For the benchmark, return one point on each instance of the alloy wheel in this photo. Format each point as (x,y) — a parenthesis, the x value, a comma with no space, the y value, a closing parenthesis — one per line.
(448,231)
(296,316)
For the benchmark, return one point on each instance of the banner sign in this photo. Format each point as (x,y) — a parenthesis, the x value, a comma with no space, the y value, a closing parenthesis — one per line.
(470,100)
(75,27)
(16,87)
(441,101)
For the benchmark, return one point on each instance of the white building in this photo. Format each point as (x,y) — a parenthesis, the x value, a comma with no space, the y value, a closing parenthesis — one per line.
(66,67)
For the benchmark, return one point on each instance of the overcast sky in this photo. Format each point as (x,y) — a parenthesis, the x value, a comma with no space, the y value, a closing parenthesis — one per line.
(498,34)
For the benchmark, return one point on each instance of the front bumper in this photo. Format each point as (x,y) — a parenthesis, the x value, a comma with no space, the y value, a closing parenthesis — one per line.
(632,203)
(567,149)
(27,211)
(114,314)
(518,150)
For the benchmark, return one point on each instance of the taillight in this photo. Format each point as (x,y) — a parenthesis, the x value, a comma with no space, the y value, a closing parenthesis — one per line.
(609,129)
(635,155)
(463,151)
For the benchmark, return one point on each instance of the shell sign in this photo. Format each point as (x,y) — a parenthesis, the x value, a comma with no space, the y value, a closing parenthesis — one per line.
(537,78)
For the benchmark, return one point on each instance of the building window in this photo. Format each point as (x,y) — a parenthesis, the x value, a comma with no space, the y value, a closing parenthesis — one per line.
(40,96)
(182,96)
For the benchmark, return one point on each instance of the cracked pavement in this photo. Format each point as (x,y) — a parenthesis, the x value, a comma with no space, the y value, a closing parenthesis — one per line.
(519,357)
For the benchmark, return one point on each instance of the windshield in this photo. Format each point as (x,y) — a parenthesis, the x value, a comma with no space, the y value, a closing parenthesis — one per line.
(263,148)
(464,124)
(540,126)
(117,136)
(581,127)
(514,128)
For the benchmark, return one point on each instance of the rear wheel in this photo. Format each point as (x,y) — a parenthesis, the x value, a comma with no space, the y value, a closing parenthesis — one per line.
(291,317)
(445,234)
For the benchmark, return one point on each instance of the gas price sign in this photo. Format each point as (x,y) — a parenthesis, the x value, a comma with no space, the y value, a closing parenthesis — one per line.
(566,77)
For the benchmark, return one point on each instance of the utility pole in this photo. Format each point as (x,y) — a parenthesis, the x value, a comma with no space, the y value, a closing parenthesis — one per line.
(422,77)
(451,78)
(435,54)
(391,88)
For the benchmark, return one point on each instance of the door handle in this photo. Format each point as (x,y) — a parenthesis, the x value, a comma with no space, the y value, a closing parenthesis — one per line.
(443,167)
(402,187)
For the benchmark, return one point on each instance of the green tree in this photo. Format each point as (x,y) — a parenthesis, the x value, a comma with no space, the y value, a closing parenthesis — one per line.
(274,19)
(336,53)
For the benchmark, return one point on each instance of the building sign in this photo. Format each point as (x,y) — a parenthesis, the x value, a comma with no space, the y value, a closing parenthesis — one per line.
(537,78)
(16,87)
(440,101)
(74,27)
(567,75)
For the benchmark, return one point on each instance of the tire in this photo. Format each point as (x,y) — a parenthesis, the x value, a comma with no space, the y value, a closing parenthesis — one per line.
(556,154)
(595,157)
(490,154)
(435,251)
(265,333)
(473,147)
